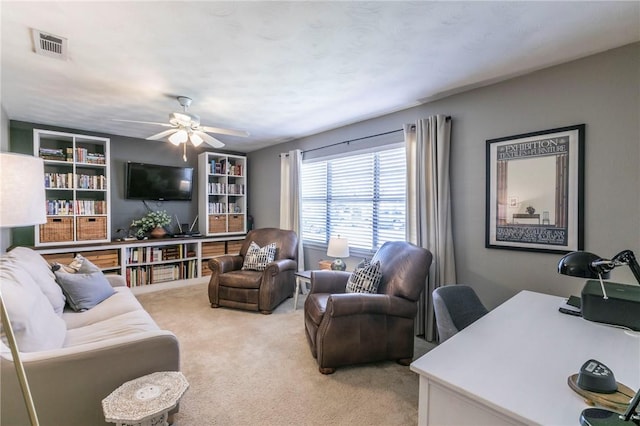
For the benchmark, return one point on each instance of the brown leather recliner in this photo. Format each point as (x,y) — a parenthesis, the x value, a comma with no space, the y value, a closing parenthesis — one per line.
(351,328)
(232,287)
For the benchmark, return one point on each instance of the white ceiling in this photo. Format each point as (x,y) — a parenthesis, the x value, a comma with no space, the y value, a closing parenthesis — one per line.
(281,70)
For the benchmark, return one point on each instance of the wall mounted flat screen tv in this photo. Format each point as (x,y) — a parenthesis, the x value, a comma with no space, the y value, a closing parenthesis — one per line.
(157,182)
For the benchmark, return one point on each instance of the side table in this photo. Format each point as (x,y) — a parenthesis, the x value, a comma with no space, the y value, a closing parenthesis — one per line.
(301,277)
(145,401)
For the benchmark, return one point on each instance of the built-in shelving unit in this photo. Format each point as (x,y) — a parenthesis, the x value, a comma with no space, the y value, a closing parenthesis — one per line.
(160,262)
(76,180)
(153,263)
(222,204)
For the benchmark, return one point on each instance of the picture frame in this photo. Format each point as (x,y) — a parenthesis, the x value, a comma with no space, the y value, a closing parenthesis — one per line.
(535,191)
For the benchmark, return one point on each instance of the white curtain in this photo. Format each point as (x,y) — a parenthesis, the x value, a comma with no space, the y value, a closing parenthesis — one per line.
(290,197)
(429,207)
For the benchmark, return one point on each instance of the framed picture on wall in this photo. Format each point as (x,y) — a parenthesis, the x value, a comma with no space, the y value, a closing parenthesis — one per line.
(544,172)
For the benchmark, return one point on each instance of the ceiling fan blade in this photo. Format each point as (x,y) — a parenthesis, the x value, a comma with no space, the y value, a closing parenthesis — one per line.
(209,139)
(230,132)
(143,122)
(161,134)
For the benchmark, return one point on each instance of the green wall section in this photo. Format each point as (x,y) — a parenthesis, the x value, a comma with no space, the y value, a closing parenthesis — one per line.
(21,141)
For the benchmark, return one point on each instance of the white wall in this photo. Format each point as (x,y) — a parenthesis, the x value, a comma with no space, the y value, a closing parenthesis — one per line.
(600,91)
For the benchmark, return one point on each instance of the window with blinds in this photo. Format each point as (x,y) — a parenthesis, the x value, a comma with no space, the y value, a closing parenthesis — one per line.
(360,197)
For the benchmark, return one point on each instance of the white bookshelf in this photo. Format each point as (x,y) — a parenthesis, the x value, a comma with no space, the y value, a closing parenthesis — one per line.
(222,202)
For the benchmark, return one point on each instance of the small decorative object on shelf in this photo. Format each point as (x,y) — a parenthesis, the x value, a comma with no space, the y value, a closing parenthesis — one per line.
(530,210)
(150,222)
(158,232)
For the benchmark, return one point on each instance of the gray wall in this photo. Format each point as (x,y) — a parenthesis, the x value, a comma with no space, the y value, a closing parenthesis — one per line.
(600,91)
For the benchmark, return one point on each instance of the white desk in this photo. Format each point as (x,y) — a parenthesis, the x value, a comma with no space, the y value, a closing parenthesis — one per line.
(511,366)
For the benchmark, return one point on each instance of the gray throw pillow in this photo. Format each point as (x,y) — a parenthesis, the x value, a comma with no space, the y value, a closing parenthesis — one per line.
(365,280)
(84,291)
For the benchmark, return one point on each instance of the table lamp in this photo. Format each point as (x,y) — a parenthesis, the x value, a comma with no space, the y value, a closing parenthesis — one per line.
(338,248)
(22,203)
(606,302)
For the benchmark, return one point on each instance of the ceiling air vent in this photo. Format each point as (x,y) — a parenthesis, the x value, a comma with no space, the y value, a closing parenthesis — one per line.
(50,45)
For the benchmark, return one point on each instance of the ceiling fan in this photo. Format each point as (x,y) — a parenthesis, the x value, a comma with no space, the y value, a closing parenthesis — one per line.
(185,126)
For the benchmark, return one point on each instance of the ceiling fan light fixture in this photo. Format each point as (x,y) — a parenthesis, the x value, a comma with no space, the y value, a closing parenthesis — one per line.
(179,137)
(195,139)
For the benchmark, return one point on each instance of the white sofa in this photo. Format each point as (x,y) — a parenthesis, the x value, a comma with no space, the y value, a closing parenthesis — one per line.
(72,359)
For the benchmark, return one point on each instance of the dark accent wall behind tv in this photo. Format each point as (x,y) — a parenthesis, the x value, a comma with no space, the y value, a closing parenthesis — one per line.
(123,149)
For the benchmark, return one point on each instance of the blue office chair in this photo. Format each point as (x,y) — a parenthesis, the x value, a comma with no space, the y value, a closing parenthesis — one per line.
(456,307)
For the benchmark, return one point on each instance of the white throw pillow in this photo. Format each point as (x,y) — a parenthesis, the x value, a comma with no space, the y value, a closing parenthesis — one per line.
(35,324)
(365,279)
(258,258)
(40,271)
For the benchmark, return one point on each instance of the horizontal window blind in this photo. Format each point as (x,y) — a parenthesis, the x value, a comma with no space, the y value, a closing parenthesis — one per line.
(360,197)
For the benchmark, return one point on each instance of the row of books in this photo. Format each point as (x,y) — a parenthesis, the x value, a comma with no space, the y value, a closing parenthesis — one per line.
(158,254)
(218,208)
(65,181)
(57,154)
(224,188)
(58,180)
(91,182)
(82,155)
(81,207)
(154,274)
(226,168)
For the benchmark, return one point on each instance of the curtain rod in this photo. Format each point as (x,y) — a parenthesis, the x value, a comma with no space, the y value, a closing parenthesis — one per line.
(448,117)
(353,140)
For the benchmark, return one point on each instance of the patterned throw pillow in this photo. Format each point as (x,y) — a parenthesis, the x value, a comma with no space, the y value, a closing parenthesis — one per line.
(258,258)
(365,279)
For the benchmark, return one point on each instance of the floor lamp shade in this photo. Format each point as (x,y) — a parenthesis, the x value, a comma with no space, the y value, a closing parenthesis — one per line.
(22,203)
(22,198)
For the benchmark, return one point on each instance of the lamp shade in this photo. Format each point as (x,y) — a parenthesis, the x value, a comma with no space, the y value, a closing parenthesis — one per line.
(579,264)
(22,197)
(179,137)
(195,139)
(338,247)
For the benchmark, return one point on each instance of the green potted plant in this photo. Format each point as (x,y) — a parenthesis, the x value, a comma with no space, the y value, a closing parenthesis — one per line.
(153,223)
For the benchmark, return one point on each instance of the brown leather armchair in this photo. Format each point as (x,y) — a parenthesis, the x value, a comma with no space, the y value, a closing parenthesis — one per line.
(351,328)
(232,287)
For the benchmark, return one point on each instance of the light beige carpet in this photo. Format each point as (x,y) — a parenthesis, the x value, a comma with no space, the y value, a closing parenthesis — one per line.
(246,368)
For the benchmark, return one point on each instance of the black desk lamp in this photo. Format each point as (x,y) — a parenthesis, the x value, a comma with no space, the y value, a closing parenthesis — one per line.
(606,302)
(588,265)
(620,307)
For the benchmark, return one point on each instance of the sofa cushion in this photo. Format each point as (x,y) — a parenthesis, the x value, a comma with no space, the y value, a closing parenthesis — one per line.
(365,280)
(32,262)
(123,325)
(121,302)
(257,258)
(35,324)
(84,291)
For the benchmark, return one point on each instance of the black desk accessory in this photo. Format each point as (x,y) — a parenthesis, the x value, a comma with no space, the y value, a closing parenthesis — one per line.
(595,383)
(605,302)
(594,376)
